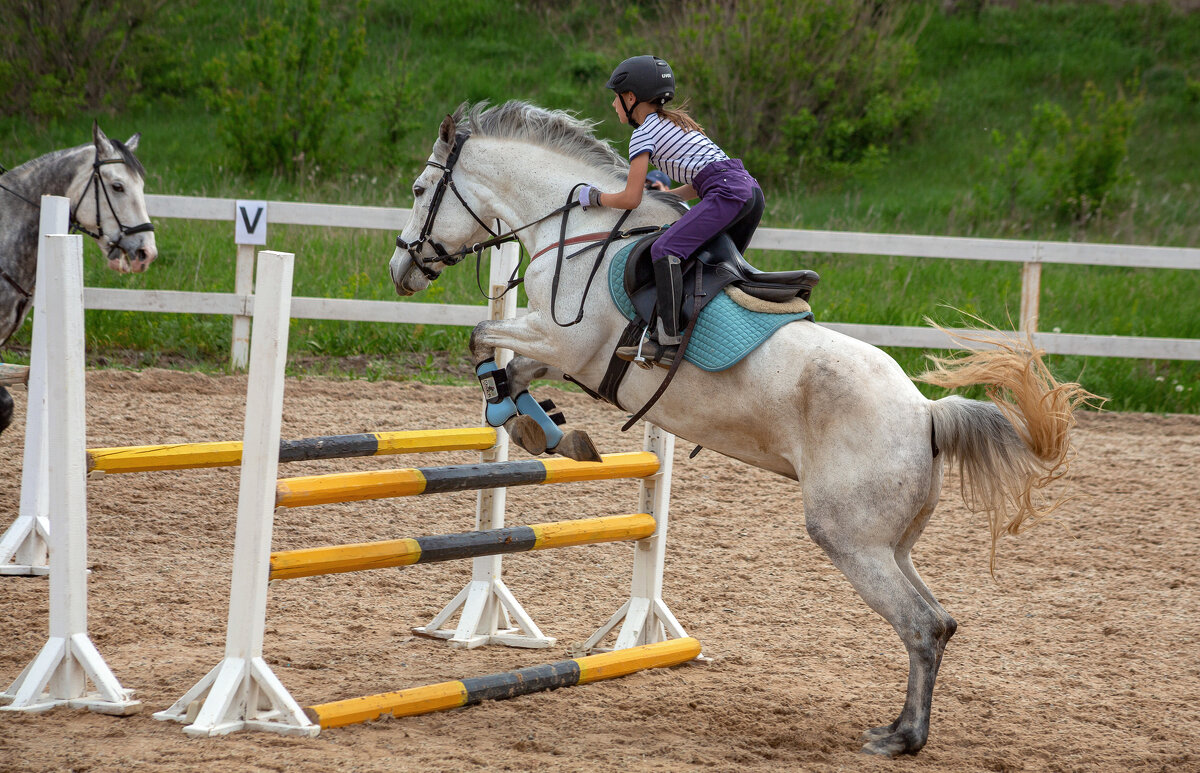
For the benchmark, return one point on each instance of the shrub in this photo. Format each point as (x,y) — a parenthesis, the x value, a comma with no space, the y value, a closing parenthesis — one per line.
(58,58)
(1069,165)
(791,85)
(280,97)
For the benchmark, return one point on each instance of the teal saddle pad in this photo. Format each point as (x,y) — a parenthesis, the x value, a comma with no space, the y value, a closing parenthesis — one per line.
(725,332)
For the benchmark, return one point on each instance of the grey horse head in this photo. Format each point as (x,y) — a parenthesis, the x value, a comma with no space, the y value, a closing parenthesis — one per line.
(111,207)
(105,184)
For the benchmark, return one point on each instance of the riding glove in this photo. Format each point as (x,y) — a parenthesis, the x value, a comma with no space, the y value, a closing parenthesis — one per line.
(589,196)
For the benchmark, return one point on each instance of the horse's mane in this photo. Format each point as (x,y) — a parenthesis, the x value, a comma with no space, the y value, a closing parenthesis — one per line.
(127,156)
(558,130)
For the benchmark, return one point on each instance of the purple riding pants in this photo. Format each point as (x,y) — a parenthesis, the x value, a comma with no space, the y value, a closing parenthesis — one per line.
(725,188)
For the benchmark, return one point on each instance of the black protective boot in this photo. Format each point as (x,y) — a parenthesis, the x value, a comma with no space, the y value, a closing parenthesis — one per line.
(662,345)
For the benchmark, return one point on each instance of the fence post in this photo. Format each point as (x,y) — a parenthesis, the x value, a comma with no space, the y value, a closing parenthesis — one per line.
(243,284)
(1031,291)
(645,618)
(60,673)
(242,691)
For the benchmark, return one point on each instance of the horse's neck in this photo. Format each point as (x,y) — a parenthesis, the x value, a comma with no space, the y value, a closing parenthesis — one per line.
(60,173)
(527,192)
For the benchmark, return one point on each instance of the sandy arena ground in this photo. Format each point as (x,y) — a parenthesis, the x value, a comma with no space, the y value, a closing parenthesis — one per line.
(1085,656)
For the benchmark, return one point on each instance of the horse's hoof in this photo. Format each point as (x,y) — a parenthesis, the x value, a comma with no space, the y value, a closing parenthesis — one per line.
(893,744)
(527,433)
(576,444)
(878,732)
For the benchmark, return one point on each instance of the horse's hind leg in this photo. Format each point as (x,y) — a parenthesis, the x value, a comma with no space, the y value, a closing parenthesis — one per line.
(857,538)
(903,556)
(572,443)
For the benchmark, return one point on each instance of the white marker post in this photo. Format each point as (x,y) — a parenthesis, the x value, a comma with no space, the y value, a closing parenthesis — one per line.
(250,230)
(242,692)
(59,674)
(646,617)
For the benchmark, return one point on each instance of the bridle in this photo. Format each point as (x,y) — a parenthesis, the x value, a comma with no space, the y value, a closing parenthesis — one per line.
(75,226)
(97,184)
(441,254)
(446,258)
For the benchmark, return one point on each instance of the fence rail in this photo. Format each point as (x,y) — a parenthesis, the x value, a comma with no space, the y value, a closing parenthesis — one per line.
(1031,254)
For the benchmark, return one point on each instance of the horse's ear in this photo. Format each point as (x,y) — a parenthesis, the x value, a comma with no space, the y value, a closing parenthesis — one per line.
(100,138)
(132,142)
(446,132)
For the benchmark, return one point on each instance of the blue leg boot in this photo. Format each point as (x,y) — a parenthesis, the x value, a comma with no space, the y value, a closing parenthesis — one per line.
(494,380)
(530,407)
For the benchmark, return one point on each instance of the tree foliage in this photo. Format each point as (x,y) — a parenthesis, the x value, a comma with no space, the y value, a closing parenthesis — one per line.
(1069,165)
(796,85)
(281,96)
(58,57)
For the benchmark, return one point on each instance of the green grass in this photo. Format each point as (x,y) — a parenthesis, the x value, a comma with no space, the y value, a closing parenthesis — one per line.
(990,73)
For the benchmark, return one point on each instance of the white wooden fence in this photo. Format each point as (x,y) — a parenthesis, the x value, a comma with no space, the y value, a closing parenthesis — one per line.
(1031,254)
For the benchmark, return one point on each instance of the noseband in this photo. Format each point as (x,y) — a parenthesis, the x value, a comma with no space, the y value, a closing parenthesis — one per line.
(441,255)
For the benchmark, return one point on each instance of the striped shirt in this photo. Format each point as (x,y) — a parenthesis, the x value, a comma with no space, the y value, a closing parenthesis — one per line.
(678,153)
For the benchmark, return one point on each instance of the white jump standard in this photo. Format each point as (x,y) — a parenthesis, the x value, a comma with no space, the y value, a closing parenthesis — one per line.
(60,673)
(241,692)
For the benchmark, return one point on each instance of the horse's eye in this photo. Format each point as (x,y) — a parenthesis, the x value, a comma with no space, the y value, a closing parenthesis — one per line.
(118,187)
(418,191)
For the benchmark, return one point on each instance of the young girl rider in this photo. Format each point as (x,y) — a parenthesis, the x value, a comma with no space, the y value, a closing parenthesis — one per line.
(730,199)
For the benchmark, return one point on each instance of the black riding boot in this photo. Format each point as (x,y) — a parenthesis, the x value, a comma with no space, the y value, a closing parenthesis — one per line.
(662,345)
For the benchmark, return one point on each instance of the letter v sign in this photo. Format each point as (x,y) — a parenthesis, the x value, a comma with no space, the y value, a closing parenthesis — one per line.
(250,222)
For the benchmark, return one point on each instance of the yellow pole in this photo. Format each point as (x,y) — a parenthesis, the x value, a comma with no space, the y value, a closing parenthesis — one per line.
(190,456)
(449,695)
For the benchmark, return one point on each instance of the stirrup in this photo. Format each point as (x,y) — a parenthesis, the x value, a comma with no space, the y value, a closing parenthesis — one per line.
(648,353)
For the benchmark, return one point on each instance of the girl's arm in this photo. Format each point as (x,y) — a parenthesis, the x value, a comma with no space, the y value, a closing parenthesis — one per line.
(685,192)
(635,185)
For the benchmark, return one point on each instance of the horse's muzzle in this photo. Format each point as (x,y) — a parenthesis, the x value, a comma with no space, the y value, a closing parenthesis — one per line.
(132,255)
(400,268)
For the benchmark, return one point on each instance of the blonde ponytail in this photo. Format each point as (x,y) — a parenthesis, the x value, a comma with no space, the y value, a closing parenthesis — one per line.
(680,118)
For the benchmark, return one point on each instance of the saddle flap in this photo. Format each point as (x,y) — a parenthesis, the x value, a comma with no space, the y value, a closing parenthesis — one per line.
(638,270)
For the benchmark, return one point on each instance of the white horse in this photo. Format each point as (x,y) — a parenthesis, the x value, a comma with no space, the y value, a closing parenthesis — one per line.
(832,412)
(104,182)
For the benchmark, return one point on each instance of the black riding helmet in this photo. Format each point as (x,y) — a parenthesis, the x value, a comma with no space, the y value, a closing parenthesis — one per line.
(648,77)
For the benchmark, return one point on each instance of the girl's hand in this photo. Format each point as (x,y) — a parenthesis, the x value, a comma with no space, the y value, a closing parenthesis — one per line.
(589,196)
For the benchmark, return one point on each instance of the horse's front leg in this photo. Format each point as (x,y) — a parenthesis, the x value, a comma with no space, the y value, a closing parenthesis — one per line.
(571,443)
(509,403)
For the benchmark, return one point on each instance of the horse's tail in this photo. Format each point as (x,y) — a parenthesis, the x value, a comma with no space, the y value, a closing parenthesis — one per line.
(1012,447)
